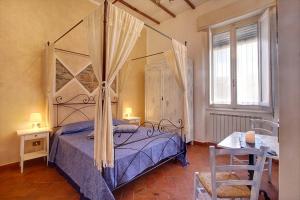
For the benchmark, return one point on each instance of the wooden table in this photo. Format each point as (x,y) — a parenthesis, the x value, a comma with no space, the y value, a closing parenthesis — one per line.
(233,141)
(33,134)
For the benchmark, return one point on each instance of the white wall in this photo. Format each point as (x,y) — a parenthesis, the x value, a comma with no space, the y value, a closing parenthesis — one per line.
(289,93)
(184,28)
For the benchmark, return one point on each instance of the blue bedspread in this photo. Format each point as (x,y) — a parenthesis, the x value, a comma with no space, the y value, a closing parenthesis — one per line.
(73,153)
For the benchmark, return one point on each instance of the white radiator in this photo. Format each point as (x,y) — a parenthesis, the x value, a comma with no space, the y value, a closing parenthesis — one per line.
(222,125)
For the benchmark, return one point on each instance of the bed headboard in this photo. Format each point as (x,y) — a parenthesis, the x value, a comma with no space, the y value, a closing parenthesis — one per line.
(80,107)
(75,89)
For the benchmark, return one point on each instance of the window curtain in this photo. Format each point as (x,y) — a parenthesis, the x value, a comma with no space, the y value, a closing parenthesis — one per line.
(177,60)
(122,34)
(50,78)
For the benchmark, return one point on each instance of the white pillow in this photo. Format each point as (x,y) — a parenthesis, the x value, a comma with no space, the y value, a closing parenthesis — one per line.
(125,128)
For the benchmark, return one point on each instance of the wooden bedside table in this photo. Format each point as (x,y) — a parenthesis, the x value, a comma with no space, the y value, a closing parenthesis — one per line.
(133,120)
(32,134)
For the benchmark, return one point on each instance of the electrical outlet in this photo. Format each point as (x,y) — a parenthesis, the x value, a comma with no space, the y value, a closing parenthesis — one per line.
(36,143)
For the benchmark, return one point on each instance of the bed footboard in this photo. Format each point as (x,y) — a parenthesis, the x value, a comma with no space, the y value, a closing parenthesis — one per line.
(174,143)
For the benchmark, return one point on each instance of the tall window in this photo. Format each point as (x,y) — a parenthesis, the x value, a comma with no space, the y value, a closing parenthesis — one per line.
(239,67)
(221,69)
(247,76)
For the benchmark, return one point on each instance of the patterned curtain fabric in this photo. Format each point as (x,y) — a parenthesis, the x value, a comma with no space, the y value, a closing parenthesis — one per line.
(177,60)
(122,34)
(50,79)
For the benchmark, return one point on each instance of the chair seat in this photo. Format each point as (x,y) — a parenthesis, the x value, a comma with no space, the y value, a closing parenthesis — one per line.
(225,191)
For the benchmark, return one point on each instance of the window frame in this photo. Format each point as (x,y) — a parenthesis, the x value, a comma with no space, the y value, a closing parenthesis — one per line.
(231,28)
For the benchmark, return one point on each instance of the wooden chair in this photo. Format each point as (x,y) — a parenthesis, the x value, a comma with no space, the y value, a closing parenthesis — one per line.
(266,127)
(222,183)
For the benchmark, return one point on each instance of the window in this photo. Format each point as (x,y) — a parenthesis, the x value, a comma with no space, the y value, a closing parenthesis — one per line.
(247,76)
(239,64)
(221,70)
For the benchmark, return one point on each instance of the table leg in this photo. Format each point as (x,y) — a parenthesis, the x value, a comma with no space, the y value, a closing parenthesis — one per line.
(22,154)
(47,148)
(251,162)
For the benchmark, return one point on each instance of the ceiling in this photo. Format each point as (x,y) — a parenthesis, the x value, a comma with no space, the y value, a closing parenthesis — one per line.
(154,11)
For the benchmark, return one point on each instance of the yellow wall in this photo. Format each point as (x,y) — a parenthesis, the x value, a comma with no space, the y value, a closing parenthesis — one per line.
(132,81)
(25,27)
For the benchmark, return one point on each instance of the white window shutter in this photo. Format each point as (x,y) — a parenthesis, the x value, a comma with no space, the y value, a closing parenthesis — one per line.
(264,24)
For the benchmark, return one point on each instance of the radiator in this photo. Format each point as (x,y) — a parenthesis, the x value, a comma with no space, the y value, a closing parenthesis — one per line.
(222,125)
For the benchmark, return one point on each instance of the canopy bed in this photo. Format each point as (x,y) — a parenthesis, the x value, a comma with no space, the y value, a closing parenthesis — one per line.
(117,153)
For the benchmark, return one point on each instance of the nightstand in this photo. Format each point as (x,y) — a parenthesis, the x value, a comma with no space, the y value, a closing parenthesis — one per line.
(133,120)
(32,134)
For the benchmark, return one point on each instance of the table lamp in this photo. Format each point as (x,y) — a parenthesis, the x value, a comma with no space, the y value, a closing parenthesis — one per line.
(128,112)
(36,119)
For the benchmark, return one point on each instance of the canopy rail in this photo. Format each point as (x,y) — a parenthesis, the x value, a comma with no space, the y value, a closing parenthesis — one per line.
(78,23)
(154,54)
(72,52)
(161,33)
(86,55)
(63,35)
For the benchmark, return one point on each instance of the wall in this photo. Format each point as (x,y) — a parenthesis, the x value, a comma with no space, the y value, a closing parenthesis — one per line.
(289,93)
(25,28)
(132,81)
(184,28)
(232,10)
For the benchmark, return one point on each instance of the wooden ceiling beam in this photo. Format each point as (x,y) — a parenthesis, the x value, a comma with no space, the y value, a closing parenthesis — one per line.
(163,8)
(137,10)
(190,4)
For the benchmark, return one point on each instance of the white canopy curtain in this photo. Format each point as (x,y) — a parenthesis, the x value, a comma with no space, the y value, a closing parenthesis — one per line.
(177,60)
(94,24)
(123,81)
(50,78)
(122,34)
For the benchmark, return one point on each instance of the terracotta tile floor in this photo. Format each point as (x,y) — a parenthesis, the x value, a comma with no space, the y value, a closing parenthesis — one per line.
(170,181)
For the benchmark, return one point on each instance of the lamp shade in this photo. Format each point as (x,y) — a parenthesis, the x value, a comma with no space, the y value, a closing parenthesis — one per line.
(35,117)
(128,111)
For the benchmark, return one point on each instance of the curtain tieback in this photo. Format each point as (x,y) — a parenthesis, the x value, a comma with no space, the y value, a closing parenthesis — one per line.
(105,87)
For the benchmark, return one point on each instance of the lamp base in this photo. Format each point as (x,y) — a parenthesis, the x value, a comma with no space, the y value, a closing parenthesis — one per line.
(36,125)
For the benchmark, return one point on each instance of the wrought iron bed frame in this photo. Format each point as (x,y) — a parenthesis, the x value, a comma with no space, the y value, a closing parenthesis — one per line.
(154,132)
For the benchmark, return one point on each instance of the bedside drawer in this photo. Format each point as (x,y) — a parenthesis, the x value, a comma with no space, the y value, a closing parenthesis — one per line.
(35,136)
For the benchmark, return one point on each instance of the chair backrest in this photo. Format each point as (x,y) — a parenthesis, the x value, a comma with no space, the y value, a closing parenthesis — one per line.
(257,168)
(265,127)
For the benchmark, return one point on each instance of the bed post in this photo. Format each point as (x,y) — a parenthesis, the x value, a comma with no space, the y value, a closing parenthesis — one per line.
(104,41)
(104,51)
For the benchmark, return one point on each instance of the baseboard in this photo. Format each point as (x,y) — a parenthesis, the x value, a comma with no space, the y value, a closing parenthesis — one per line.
(12,164)
(195,142)
(16,164)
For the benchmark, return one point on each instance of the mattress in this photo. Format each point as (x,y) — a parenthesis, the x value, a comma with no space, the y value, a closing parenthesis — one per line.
(134,153)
